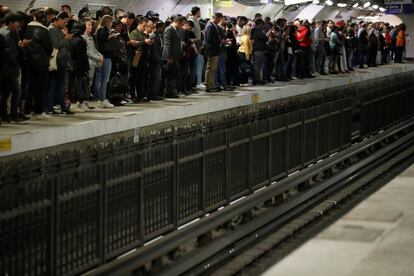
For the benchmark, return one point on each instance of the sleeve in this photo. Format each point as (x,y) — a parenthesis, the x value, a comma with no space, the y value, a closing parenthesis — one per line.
(92,52)
(56,40)
(168,42)
(47,43)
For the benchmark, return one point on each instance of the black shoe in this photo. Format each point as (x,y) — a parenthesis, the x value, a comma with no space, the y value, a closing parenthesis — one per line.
(6,119)
(323,73)
(159,98)
(212,90)
(172,96)
(227,88)
(186,92)
(23,117)
(68,112)
(17,120)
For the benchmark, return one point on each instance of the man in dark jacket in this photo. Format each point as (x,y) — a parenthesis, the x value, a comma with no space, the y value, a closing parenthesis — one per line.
(213,50)
(172,54)
(38,55)
(259,51)
(11,69)
(154,67)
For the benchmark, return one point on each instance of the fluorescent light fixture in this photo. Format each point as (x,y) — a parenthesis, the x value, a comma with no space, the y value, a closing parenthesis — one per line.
(367,4)
(382,9)
(329,2)
(341,5)
(355,5)
(315,2)
(375,7)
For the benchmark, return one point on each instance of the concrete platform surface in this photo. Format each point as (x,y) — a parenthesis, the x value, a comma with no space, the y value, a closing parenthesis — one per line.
(376,238)
(39,134)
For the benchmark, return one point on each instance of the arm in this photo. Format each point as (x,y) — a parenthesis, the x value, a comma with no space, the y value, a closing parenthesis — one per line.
(92,52)
(57,42)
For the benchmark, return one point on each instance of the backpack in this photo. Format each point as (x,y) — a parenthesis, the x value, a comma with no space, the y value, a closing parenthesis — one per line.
(117,87)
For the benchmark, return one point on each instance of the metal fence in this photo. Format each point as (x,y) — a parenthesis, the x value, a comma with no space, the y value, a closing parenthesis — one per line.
(66,213)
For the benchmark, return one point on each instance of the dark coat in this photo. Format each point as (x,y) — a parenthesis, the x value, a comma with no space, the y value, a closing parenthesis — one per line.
(10,65)
(172,45)
(213,41)
(103,44)
(259,38)
(155,52)
(78,51)
(40,49)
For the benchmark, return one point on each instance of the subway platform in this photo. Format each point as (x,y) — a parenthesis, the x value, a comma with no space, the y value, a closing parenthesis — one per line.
(37,134)
(375,238)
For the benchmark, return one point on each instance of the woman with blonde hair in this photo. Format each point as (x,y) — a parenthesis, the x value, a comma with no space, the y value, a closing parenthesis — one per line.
(102,36)
(245,52)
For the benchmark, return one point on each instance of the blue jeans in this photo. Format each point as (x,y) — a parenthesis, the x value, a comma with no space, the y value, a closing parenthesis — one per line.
(56,94)
(221,72)
(199,66)
(102,79)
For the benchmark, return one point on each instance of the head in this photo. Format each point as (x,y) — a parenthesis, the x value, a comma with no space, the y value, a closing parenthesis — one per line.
(117,25)
(402,27)
(196,12)
(241,21)
(128,18)
(160,27)
(106,22)
(85,12)
(142,24)
(67,9)
(119,14)
(78,28)
(13,21)
(106,10)
(177,21)
(259,23)
(51,14)
(188,26)
(41,17)
(88,26)
(61,20)
(217,18)
(258,16)
(246,30)
(150,27)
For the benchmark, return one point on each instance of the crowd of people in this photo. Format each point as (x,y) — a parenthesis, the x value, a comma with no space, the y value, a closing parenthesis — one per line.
(55,62)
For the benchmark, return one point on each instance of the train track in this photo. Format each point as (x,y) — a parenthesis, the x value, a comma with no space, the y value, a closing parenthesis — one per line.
(234,239)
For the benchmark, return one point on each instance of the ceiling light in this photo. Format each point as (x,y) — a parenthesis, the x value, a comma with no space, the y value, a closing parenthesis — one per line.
(375,7)
(355,5)
(316,2)
(382,9)
(329,2)
(367,4)
(341,5)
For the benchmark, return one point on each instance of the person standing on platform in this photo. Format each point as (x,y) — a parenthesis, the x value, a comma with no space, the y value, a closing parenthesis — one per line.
(259,51)
(198,59)
(38,55)
(155,60)
(103,74)
(213,51)
(400,43)
(320,44)
(11,69)
(171,54)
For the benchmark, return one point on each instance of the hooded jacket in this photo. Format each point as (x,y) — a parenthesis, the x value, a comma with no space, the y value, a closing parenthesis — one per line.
(40,49)
(304,36)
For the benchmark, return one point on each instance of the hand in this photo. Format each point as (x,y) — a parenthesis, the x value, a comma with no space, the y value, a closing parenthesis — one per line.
(148,41)
(133,43)
(24,43)
(112,36)
(68,37)
(170,60)
(101,61)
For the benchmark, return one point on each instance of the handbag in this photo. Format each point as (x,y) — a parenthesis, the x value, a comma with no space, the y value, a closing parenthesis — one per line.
(137,58)
(53,60)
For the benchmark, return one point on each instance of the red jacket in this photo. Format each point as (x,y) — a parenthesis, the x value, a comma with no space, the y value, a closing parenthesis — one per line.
(303,36)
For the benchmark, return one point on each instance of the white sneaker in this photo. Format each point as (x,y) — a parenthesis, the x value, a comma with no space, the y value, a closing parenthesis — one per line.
(43,116)
(75,108)
(83,107)
(105,104)
(89,106)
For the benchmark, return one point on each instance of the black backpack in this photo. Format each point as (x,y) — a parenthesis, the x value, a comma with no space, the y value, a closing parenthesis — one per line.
(117,87)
